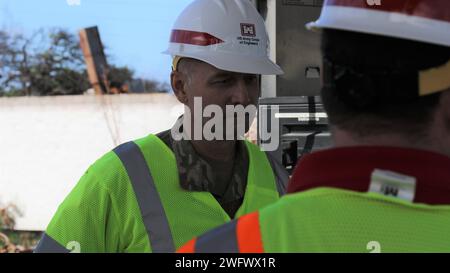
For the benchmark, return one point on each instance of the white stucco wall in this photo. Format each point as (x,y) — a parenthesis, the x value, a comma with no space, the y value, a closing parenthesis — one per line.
(46,143)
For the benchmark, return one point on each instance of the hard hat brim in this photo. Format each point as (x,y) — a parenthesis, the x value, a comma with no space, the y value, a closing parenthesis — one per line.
(237,63)
(244,64)
(390,24)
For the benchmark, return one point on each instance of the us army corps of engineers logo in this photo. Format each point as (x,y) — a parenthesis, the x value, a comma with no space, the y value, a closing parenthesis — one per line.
(248,30)
(248,35)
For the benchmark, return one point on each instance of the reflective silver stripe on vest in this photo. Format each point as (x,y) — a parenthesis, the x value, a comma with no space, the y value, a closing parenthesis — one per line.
(280,173)
(49,245)
(220,240)
(152,210)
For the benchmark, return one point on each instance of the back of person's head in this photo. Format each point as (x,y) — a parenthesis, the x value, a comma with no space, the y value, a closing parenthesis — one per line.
(386,66)
(371,83)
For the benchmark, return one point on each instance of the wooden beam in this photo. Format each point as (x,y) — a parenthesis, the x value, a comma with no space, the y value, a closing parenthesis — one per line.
(94,56)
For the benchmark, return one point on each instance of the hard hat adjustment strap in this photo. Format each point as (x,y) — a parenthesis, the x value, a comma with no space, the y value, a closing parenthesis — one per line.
(175,62)
(434,80)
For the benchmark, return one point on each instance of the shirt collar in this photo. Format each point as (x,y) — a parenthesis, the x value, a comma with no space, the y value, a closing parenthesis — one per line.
(351,168)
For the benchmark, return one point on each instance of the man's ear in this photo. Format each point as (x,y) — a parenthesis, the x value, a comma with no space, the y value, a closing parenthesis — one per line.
(178,81)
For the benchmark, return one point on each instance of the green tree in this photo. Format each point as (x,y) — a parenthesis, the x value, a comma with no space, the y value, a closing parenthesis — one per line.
(46,63)
(51,63)
(120,74)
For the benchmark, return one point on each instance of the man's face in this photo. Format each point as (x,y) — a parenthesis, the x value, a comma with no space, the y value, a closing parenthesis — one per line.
(221,88)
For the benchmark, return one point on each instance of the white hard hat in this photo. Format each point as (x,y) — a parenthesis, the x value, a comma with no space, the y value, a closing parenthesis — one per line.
(227,34)
(426,21)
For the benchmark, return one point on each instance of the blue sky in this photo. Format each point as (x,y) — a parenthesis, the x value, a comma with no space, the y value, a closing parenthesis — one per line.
(134,31)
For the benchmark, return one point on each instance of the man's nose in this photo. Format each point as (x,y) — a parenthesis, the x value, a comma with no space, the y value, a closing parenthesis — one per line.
(240,94)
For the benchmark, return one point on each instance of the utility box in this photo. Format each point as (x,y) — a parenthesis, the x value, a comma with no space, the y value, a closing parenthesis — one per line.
(301,125)
(292,46)
(292,100)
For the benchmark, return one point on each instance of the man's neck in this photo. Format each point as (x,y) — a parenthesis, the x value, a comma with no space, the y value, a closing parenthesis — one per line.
(218,150)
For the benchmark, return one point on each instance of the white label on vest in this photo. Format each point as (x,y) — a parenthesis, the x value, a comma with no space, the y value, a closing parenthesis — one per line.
(393,184)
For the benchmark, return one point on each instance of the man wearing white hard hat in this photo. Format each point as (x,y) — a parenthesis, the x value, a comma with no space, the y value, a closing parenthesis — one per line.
(385,187)
(156,193)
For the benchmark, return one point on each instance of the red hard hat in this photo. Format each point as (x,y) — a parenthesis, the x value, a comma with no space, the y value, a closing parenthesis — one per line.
(426,21)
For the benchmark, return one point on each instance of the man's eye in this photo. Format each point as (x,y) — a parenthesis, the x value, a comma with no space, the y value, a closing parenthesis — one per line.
(222,82)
